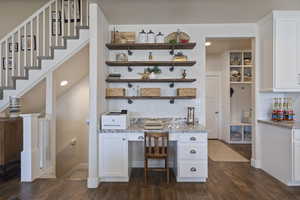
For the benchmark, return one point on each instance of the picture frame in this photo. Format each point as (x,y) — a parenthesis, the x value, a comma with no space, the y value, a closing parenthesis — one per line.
(72,7)
(13,45)
(10,63)
(54,21)
(27,39)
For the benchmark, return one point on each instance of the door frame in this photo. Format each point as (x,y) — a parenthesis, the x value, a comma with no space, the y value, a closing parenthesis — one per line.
(218,75)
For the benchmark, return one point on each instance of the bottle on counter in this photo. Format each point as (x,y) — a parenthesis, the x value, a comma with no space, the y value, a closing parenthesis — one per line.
(285,109)
(280,110)
(274,110)
(290,110)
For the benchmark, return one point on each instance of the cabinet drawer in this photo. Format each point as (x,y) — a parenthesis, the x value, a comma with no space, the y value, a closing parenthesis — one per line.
(193,137)
(297,135)
(192,169)
(136,136)
(192,151)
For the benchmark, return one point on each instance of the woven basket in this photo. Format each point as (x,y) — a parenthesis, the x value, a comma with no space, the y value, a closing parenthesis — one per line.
(146,92)
(115,92)
(186,92)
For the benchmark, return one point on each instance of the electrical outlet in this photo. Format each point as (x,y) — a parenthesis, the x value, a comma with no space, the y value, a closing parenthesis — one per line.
(73,141)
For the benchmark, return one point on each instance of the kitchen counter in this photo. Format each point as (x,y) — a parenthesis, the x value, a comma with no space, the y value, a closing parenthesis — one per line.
(170,125)
(283,124)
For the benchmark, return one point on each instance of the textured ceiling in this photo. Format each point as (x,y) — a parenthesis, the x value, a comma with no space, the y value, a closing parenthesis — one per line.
(191,11)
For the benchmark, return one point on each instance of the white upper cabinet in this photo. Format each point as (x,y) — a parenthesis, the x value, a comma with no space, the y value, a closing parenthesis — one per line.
(279,51)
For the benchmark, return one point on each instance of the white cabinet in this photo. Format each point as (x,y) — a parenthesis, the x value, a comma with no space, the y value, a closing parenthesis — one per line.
(279,48)
(113,156)
(297,161)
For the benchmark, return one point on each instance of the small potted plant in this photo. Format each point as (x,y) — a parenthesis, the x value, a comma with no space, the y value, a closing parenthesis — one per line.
(153,71)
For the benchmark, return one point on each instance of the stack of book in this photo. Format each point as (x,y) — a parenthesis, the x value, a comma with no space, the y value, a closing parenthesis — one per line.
(114,76)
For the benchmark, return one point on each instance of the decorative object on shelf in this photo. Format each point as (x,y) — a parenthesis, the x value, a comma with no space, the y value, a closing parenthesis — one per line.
(121,57)
(235,58)
(14,106)
(123,37)
(14,46)
(145,75)
(56,18)
(154,70)
(191,115)
(151,37)
(159,38)
(246,116)
(150,92)
(231,92)
(10,63)
(142,36)
(235,75)
(179,57)
(115,92)
(177,37)
(247,58)
(247,74)
(28,41)
(186,92)
(69,10)
(184,74)
(113,36)
(114,76)
(150,57)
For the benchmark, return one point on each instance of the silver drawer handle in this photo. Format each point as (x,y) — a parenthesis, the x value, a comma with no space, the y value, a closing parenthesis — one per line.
(193,139)
(141,137)
(193,169)
(193,151)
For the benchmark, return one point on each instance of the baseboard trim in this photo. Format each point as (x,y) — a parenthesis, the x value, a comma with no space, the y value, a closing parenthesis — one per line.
(256,163)
(195,180)
(114,179)
(93,182)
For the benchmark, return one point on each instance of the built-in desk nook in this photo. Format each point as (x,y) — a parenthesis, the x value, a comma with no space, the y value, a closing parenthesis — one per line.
(121,150)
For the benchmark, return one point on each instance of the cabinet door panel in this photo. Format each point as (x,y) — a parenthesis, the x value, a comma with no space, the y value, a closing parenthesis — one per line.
(286,54)
(113,155)
(297,161)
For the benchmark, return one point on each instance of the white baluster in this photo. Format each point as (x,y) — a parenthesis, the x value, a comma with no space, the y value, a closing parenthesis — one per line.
(69,19)
(19,52)
(63,19)
(13,43)
(6,64)
(56,24)
(87,12)
(25,45)
(50,28)
(32,44)
(75,17)
(44,32)
(81,15)
(38,35)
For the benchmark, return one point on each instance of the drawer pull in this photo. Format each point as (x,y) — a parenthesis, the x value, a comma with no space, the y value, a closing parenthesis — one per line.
(193,138)
(193,169)
(193,151)
(141,137)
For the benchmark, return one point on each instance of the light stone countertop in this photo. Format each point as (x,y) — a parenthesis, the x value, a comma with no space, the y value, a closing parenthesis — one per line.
(170,125)
(283,124)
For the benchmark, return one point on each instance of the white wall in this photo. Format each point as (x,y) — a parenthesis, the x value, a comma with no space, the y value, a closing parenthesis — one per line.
(198,34)
(14,12)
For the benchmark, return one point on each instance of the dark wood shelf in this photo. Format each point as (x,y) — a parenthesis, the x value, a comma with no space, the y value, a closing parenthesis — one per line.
(152,46)
(150,80)
(150,63)
(151,97)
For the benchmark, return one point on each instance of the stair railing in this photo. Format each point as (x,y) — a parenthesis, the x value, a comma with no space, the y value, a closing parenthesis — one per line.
(37,37)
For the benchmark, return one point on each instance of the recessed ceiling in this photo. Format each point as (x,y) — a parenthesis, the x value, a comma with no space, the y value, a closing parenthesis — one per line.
(191,11)
(221,45)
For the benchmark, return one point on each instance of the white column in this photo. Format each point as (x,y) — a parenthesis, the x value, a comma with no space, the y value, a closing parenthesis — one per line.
(93,176)
(51,115)
(30,155)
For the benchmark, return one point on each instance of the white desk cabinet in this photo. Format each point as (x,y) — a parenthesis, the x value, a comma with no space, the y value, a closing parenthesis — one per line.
(296,156)
(113,157)
(279,49)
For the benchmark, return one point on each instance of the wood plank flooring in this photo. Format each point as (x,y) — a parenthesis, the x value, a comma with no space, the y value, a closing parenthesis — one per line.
(227,181)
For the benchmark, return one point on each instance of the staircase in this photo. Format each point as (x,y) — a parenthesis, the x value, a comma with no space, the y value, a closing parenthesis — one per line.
(40,44)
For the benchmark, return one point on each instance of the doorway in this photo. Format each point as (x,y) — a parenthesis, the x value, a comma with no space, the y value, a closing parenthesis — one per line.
(229,98)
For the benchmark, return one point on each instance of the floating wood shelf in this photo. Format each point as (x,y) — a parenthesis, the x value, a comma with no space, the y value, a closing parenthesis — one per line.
(150,80)
(152,46)
(151,97)
(150,63)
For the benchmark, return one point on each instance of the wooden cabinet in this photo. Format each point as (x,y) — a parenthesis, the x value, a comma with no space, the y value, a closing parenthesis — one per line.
(11,137)
(113,156)
(279,48)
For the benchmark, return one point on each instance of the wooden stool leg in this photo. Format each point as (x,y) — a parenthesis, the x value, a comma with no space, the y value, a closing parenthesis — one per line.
(145,170)
(167,169)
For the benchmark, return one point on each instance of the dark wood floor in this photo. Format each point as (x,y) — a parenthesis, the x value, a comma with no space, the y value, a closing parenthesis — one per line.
(227,181)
